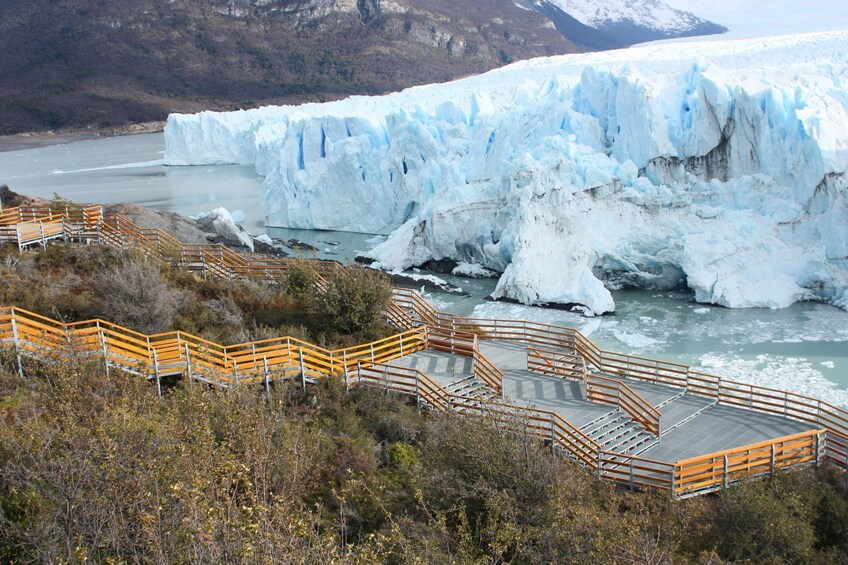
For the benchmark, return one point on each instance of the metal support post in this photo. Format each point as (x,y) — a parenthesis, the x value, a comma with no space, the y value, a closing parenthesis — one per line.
(156,372)
(189,376)
(103,348)
(17,345)
(302,371)
(600,464)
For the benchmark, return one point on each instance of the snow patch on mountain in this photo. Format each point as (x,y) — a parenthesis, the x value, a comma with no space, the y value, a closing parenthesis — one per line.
(651,14)
(720,166)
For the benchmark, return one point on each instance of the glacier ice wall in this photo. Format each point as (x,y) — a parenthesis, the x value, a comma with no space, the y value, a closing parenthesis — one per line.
(719,166)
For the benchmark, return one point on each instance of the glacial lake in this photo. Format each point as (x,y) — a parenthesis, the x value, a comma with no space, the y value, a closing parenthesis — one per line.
(803,348)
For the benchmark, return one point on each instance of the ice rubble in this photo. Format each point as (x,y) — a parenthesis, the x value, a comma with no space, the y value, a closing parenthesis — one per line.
(720,165)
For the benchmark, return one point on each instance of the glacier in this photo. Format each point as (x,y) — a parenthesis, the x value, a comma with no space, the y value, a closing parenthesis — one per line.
(717,166)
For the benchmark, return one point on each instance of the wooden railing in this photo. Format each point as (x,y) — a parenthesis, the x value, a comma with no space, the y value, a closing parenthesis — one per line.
(487,372)
(556,363)
(156,355)
(636,472)
(717,470)
(604,390)
(27,225)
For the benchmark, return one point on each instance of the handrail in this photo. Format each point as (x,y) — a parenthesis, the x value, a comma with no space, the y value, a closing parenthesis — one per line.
(604,390)
(170,352)
(716,470)
(556,363)
(487,372)
(543,423)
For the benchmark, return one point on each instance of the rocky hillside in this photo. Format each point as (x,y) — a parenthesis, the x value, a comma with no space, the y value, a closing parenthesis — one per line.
(75,63)
(81,63)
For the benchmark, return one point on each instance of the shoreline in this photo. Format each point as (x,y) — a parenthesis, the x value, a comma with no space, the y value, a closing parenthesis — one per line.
(37,139)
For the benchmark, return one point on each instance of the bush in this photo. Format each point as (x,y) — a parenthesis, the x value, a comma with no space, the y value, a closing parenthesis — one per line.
(136,295)
(355,301)
(764,522)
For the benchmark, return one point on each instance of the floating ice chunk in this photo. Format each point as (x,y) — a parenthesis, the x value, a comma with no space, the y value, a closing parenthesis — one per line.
(636,341)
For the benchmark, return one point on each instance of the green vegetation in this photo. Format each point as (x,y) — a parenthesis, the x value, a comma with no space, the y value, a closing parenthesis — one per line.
(96,467)
(73,282)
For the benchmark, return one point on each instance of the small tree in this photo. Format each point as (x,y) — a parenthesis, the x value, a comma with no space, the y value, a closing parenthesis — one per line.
(355,300)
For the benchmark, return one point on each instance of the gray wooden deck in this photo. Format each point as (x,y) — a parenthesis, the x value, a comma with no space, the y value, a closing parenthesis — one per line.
(697,426)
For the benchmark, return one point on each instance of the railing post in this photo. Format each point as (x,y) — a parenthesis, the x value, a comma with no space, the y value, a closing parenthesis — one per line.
(372,353)
(817,450)
(417,392)
(17,344)
(189,376)
(265,373)
(102,337)
(771,464)
(156,373)
(359,372)
(724,479)
(674,482)
(553,434)
(235,372)
(631,474)
(344,364)
(302,371)
(600,465)
(659,428)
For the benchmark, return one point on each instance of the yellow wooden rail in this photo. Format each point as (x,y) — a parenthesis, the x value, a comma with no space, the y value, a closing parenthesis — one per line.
(604,390)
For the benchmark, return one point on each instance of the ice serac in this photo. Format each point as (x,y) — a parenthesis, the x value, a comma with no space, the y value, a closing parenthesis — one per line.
(719,166)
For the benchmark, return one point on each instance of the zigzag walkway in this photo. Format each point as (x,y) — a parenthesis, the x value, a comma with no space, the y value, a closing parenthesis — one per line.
(605,410)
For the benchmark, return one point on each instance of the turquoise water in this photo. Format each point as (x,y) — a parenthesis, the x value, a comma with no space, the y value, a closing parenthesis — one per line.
(802,348)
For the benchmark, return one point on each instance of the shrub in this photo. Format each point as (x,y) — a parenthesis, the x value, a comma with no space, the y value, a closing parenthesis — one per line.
(301,279)
(764,522)
(136,295)
(355,301)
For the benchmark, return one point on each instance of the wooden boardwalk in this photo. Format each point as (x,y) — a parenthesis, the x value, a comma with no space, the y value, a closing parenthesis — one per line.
(640,422)
(692,425)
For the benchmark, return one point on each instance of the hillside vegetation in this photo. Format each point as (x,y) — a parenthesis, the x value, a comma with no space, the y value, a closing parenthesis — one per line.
(95,467)
(79,63)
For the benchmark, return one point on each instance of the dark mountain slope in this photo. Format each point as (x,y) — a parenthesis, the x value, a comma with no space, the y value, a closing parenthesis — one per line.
(79,63)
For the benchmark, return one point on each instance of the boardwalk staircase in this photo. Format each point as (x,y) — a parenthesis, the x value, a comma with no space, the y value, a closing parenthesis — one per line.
(472,388)
(617,432)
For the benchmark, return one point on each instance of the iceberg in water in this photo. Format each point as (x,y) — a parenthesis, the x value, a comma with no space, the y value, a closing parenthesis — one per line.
(719,166)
